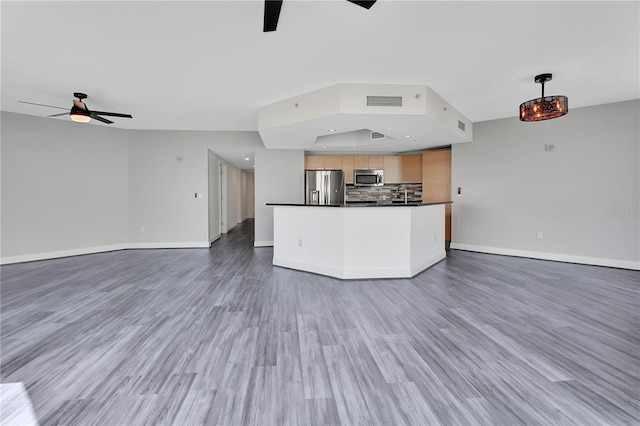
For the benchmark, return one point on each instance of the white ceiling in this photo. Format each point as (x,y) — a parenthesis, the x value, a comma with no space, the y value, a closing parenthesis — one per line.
(207,65)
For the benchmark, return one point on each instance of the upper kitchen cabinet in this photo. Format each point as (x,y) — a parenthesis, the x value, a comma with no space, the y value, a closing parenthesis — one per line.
(333,162)
(411,168)
(391,169)
(376,162)
(314,162)
(360,162)
(347,168)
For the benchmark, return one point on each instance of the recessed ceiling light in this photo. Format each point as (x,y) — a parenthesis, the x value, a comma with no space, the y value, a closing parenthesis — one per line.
(407,136)
(246,158)
(353,147)
(389,128)
(418,140)
(332,130)
(324,147)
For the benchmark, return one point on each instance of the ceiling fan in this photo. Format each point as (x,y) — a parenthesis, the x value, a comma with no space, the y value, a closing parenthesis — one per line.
(81,113)
(272,12)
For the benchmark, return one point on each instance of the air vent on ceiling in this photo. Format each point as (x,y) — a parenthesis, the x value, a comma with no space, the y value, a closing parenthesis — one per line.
(386,101)
(376,136)
(461,125)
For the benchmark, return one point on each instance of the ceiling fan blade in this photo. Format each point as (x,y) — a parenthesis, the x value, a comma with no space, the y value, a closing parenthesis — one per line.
(271,14)
(95,116)
(50,106)
(365,4)
(58,115)
(112,114)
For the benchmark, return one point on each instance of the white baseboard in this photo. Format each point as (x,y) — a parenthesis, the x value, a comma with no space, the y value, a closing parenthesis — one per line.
(60,253)
(597,261)
(354,274)
(263,243)
(199,244)
(98,249)
(427,263)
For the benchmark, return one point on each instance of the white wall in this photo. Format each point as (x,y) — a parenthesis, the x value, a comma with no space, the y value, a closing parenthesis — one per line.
(247,195)
(166,170)
(69,188)
(214,195)
(279,178)
(583,197)
(64,188)
(234,194)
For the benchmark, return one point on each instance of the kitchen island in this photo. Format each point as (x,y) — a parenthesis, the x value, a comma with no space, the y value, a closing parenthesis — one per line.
(356,241)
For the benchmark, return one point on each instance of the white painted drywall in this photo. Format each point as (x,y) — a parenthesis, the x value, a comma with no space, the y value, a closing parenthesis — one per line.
(246,207)
(213,170)
(64,187)
(166,170)
(583,197)
(234,194)
(279,178)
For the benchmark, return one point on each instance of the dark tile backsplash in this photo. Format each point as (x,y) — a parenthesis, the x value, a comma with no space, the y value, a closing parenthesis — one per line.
(381,193)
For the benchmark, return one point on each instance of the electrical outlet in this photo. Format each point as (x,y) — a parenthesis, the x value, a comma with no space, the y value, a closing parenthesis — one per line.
(299,243)
(540,235)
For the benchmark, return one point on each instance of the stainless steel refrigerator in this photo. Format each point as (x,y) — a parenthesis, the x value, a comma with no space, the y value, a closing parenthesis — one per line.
(324,187)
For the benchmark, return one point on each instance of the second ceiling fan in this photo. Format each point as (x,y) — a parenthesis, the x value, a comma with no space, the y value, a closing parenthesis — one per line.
(272,12)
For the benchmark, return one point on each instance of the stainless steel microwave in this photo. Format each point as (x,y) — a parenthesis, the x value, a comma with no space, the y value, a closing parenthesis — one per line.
(368,177)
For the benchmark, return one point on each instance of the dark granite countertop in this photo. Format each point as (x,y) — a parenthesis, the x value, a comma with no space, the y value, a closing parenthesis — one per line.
(364,204)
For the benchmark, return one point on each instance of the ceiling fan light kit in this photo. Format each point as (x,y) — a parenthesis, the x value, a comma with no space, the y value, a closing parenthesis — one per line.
(544,107)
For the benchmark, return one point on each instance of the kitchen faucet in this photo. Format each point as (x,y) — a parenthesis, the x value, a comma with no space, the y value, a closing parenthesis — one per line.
(405,192)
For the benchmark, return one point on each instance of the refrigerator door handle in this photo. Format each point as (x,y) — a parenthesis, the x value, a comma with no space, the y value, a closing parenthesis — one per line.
(326,188)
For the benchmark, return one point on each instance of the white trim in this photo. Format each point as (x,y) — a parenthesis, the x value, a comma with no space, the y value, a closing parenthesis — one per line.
(214,240)
(427,263)
(200,244)
(351,274)
(98,249)
(597,261)
(60,253)
(263,243)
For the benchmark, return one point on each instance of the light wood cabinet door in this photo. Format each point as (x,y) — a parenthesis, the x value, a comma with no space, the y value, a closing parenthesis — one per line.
(436,176)
(391,169)
(347,168)
(360,162)
(333,162)
(314,162)
(411,169)
(436,182)
(376,162)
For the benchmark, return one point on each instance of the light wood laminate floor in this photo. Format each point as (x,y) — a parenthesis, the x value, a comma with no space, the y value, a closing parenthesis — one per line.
(220,336)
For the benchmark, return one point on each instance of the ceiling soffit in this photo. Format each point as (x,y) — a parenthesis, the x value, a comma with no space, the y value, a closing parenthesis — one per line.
(412,117)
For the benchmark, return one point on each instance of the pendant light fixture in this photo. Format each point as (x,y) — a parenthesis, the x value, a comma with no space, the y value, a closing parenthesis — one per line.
(544,107)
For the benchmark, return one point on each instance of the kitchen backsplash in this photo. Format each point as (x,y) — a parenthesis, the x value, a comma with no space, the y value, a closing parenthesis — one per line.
(385,192)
